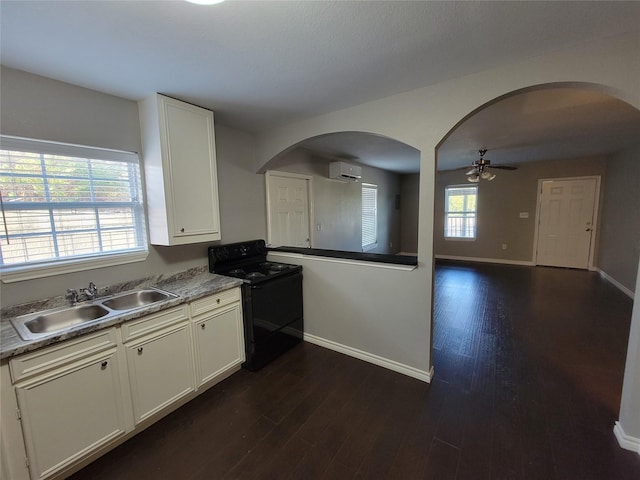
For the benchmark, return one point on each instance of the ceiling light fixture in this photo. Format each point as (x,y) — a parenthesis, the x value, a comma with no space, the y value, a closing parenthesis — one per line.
(480,169)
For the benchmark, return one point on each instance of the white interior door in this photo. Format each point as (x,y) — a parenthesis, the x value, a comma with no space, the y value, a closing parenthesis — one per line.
(288,206)
(566,222)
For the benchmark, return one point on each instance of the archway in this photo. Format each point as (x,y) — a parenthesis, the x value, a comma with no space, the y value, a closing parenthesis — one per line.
(614,239)
(388,166)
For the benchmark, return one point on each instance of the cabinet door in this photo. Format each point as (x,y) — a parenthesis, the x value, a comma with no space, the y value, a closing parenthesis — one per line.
(71,412)
(219,342)
(191,164)
(160,370)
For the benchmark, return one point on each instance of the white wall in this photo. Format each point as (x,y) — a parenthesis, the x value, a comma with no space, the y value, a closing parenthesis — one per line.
(41,108)
(619,247)
(243,214)
(357,309)
(422,118)
(629,421)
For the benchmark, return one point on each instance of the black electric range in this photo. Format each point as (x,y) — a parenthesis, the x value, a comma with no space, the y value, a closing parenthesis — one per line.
(271,299)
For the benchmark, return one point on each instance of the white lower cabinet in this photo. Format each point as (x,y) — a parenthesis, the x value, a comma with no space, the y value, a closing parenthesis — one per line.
(72,409)
(160,370)
(80,398)
(219,342)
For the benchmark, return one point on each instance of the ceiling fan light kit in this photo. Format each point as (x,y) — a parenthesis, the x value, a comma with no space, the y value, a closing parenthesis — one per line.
(474,178)
(479,169)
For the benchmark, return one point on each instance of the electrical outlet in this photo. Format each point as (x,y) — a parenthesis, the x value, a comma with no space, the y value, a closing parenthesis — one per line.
(504,246)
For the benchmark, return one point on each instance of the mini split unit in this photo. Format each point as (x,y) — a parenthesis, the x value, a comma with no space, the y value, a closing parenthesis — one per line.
(345,172)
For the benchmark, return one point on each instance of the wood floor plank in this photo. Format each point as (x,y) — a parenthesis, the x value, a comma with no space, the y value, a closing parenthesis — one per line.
(442,463)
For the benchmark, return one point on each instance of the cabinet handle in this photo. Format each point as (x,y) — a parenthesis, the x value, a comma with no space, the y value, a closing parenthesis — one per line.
(104,364)
(217,300)
(182,230)
(202,326)
(140,350)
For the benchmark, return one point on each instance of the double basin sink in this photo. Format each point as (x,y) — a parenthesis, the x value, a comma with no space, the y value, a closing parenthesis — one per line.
(39,324)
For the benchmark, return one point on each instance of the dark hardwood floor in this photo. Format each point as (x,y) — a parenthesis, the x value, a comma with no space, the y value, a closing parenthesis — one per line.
(528,375)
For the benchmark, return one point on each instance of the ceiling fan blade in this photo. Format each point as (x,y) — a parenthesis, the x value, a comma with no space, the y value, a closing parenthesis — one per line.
(503,167)
(473,171)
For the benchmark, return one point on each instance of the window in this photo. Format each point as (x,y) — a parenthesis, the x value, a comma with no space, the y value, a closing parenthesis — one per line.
(460,212)
(66,205)
(369,216)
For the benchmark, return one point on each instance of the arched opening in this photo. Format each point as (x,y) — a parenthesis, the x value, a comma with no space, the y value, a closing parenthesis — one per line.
(559,331)
(388,168)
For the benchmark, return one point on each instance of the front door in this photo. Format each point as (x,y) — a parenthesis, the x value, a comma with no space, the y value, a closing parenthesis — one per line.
(288,204)
(565,228)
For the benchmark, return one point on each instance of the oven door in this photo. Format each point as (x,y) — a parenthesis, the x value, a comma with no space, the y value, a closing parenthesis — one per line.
(273,320)
(276,306)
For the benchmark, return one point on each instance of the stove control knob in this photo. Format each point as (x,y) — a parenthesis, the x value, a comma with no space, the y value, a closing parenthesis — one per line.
(243,250)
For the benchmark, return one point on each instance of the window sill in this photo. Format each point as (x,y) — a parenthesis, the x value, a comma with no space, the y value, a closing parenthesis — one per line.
(368,248)
(31,272)
(459,239)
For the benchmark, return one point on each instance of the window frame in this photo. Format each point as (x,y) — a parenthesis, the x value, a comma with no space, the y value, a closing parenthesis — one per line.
(56,266)
(446,230)
(371,245)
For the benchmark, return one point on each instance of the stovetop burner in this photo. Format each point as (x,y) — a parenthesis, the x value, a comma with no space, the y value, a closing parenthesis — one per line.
(247,261)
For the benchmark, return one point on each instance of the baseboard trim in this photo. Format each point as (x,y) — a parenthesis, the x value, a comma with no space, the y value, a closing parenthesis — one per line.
(616,284)
(371,358)
(526,263)
(626,441)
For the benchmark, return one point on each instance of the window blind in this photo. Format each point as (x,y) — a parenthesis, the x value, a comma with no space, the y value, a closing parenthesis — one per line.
(369,215)
(62,201)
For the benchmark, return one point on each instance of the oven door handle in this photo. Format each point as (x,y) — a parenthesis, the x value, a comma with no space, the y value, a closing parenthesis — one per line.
(256,287)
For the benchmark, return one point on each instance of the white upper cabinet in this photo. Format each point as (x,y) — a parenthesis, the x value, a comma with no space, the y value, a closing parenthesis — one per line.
(179,158)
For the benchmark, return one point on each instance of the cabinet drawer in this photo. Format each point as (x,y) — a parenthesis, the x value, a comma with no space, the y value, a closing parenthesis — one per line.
(204,305)
(153,322)
(59,355)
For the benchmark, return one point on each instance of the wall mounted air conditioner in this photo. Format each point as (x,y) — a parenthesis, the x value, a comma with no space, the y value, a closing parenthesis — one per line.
(345,172)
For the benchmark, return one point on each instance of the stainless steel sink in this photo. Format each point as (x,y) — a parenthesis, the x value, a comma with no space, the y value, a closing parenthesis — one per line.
(37,325)
(136,299)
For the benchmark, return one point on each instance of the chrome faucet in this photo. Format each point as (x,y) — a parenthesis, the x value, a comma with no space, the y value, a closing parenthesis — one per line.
(91,292)
(72,295)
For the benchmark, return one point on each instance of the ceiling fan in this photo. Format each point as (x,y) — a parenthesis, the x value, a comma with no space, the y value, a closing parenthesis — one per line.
(480,168)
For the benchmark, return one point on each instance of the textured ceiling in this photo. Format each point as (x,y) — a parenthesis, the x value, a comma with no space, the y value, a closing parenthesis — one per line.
(546,124)
(264,64)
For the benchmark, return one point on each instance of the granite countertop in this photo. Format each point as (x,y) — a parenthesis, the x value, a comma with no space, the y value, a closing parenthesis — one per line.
(189,285)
